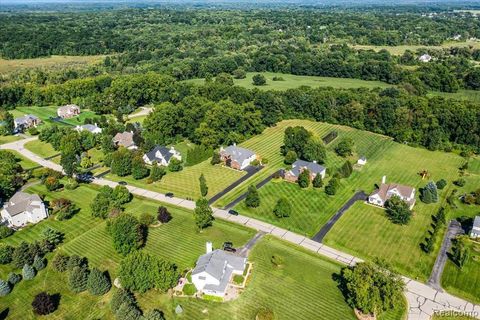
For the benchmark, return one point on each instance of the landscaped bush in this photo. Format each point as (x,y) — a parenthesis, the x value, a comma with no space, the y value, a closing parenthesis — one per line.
(6,253)
(28,272)
(44,304)
(76,261)
(189,289)
(63,209)
(208,297)
(77,279)
(14,278)
(146,219)
(98,282)
(238,279)
(52,183)
(39,263)
(60,262)
(442,183)
(163,215)
(317,181)
(5,231)
(5,288)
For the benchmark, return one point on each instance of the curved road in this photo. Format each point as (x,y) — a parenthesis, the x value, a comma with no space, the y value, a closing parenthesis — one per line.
(423,300)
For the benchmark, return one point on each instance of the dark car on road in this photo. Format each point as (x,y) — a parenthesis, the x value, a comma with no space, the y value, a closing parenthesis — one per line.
(228,246)
(122,183)
(233,212)
(169,194)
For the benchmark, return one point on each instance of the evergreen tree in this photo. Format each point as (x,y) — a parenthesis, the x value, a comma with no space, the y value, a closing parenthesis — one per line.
(317,181)
(78,279)
(28,272)
(44,304)
(119,297)
(346,170)
(429,193)
(304,179)
(203,185)
(252,200)
(283,208)
(215,158)
(203,214)
(157,173)
(14,278)
(98,282)
(154,315)
(76,261)
(128,312)
(4,288)
(442,183)
(460,251)
(6,253)
(332,186)
(39,263)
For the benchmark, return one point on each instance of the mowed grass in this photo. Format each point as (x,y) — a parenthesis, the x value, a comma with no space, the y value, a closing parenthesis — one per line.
(24,162)
(46,113)
(185,183)
(470,95)
(178,241)
(7,66)
(8,139)
(293,81)
(366,233)
(43,149)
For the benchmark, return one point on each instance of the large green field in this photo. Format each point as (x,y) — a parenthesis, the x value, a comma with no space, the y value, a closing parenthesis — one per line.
(304,281)
(293,81)
(43,149)
(185,183)
(45,113)
(13,65)
(363,230)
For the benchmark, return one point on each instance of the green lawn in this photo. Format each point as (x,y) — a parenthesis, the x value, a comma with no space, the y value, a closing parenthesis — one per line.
(376,237)
(138,119)
(24,162)
(185,183)
(43,149)
(45,113)
(293,81)
(7,139)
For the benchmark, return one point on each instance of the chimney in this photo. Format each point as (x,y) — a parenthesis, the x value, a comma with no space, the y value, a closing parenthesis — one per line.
(234,144)
(209,247)
(384,179)
(314,161)
(96,124)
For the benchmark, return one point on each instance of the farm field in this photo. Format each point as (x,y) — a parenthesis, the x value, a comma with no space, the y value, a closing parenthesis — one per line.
(8,66)
(293,81)
(312,208)
(303,277)
(45,113)
(185,183)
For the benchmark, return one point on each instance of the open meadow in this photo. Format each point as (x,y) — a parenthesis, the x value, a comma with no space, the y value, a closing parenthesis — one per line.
(12,65)
(292,81)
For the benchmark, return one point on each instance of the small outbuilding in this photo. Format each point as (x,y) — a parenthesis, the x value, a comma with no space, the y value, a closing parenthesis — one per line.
(362,161)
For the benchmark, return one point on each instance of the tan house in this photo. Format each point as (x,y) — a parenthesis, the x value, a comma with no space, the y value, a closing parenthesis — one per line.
(386,191)
(68,111)
(300,165)
(125,139)
(25,122)
(237,157)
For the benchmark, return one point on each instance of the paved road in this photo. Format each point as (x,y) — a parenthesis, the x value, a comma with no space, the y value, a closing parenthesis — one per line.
(251,170)
(245,250)
(423,300)
(454,229)
(359,196)
(244,195)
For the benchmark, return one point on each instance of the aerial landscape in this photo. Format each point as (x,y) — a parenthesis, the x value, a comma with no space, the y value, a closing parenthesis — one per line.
(247,160)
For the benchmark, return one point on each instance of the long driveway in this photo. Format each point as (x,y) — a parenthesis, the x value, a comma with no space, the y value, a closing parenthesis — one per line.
(423,300)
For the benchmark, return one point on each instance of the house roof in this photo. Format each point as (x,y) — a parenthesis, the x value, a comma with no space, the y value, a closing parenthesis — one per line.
(237,154)
(67,108)
(476,222)
(26,118)
(124,139)
(164,151)
(313,167)
(21,202)
(90,127)
(382,192)
(363,158)
(215,262)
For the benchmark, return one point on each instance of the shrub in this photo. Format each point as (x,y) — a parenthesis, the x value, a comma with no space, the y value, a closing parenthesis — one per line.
(63,208)
(175,165)
(76,261)
(317,181)
(44,304)
(189,289)
(215,158)
(154,315)
(238,279)
(283,208)
(146,219)
(5,288)
(259,80)
(344,147)
(239,73)
(60,262)
(304,179)
(52,183)
(442,183)
(252,200)
(120,297)
(39,263)
(77,279)
(127,233)
(5,232)
(6,253)
(157,173)
(460,182)
(276,78)
(163,215)
(98,282)
(14,278)
(71,184)
(28,272)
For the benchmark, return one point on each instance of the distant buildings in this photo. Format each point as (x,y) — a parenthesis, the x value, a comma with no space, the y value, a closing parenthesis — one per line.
(425,58)
(25,122)
(125,139)
(93,128)
(475,233)
(161,155)
(237,157)
(214,270)
(301,165)
(23,208)
(386,191)
(68,111)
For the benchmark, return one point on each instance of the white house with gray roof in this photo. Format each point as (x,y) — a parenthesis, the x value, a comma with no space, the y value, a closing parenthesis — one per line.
(215,269)
(475,233)
(93,128)
(237,157)
(301,165)
(23,208)
(161,155)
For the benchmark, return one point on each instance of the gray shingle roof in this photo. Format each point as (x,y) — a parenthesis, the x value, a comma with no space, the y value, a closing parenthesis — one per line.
(21,202)
(313,167)
(25,119)
(238,154)
(164,151)
(215,262)
(89,127)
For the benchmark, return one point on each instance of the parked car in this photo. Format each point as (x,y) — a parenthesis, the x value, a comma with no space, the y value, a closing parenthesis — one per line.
(122,183)
(233,212)
(169,194)
(228,246)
